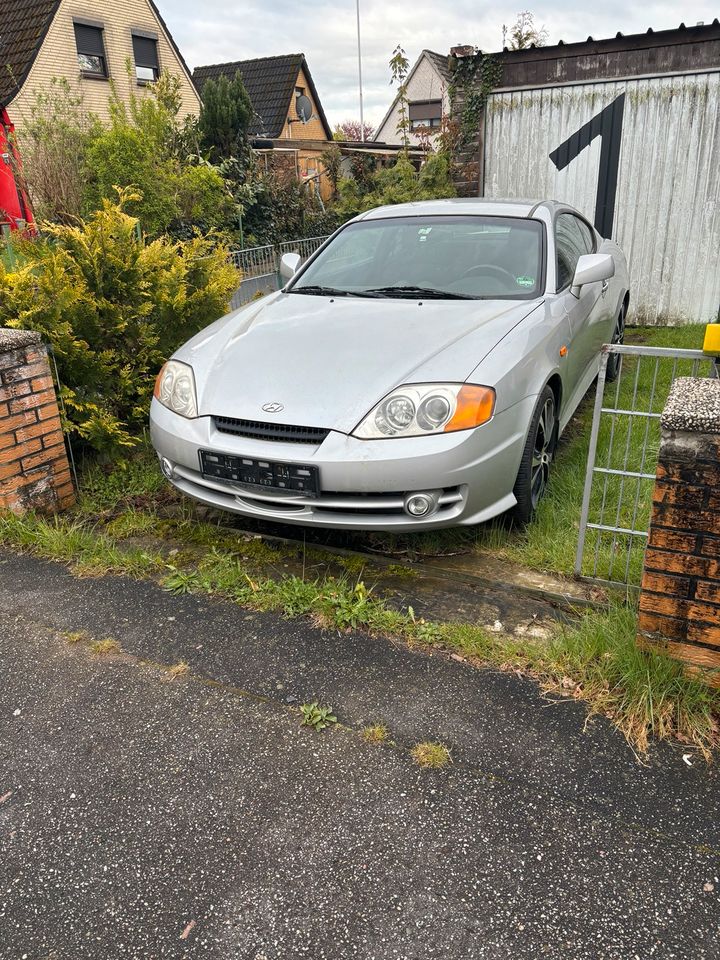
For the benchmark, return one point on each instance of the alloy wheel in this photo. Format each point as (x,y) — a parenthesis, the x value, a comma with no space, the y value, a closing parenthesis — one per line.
(542,451)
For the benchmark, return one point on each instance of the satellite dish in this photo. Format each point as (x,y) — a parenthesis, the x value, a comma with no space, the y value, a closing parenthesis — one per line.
(303,107)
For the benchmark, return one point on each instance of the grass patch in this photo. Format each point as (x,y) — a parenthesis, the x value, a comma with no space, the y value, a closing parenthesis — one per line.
(432,755)
(644,693)
(375,733)
(106,647)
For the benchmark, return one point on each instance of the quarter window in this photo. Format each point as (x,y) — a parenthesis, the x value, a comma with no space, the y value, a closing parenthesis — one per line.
(147,66)
(573,239)
(90,50)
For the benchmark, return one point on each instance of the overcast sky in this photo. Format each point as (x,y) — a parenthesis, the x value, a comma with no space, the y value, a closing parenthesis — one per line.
(215,31)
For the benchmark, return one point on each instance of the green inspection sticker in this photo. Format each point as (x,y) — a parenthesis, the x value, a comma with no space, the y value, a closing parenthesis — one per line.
(525,281)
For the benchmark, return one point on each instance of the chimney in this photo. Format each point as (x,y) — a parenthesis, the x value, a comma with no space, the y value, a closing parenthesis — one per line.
(466,50)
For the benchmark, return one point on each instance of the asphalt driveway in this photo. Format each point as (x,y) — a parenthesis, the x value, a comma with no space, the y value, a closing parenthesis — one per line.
(145,817)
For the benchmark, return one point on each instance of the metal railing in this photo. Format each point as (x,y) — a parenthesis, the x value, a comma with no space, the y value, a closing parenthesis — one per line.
(255,261)
(304,247)
(260,267)
(622,458)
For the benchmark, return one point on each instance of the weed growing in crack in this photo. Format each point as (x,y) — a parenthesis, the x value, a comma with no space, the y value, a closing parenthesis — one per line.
(432,755)
(375,733)
(102,648)
(317,717)
(179,669)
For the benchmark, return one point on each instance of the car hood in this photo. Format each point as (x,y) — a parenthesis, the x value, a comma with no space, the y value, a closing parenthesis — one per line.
(328,362)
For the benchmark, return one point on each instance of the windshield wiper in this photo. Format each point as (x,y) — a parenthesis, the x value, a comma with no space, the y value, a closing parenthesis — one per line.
(412,291)
(321,291)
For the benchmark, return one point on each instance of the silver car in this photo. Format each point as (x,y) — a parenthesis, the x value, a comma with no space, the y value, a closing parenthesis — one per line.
(415,372)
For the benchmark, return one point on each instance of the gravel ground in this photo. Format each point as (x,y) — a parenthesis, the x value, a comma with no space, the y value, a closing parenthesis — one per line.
(144,817)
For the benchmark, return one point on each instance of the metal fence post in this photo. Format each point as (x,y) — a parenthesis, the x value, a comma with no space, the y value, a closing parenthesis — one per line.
(595,430)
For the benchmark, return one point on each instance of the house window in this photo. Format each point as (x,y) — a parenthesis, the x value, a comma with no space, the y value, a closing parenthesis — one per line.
(147,67)
(425,114)
(90,50)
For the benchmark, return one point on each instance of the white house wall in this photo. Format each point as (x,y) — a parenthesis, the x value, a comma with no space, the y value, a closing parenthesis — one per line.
(667,205)
(425,84)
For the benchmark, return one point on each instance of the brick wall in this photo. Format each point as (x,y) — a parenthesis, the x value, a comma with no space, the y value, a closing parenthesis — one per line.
(680,596)
(34,468)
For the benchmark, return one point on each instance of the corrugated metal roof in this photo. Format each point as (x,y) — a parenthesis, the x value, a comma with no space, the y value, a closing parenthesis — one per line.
(270,82)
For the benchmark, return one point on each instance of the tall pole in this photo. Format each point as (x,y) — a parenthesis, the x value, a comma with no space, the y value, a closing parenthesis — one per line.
(362,119)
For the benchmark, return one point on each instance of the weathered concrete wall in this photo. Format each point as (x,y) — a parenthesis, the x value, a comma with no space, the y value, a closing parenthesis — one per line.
(680,597)
(34,468)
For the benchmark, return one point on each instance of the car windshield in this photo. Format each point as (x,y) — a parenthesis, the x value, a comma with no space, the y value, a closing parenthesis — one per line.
(448,257)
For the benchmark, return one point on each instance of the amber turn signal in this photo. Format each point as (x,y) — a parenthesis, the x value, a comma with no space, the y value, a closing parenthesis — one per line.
(475,406)
(158,380)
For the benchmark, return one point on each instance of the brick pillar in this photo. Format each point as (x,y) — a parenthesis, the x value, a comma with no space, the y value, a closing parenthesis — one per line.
(34,469)
(680,596)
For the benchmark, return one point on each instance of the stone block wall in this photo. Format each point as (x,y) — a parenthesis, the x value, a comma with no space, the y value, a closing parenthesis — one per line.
(680,595)
(34,468)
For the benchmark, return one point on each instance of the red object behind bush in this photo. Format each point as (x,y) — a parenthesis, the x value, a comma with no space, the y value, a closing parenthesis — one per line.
(15,208)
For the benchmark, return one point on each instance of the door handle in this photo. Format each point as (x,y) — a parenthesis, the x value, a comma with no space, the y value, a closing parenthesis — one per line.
(604,288)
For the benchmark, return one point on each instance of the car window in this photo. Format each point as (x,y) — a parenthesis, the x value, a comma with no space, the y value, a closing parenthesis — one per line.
(459,256)
(573,240)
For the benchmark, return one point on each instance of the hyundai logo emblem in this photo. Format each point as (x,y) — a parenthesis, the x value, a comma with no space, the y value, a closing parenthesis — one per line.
(273,407)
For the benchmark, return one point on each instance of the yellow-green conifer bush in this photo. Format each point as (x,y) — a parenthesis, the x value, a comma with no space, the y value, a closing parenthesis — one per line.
(113,307)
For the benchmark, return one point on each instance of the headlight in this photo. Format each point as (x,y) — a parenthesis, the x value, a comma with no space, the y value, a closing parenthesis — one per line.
(419,409)
(175,388)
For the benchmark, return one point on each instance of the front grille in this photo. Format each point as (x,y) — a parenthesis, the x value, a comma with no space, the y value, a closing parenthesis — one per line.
(270,431)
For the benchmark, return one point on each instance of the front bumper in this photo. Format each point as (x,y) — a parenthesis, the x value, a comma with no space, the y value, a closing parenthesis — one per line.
(363,482)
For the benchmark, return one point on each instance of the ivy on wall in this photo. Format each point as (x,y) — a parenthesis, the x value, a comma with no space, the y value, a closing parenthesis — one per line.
(473,78)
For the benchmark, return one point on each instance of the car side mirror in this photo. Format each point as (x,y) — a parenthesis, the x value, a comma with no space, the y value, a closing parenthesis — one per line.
(591,268)
(289,265)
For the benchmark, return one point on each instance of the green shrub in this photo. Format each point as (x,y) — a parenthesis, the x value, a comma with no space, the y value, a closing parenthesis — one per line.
(113,307)
(120,157)
(400,183)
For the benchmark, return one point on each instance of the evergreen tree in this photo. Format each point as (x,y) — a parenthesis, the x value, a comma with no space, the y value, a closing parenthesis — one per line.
(225,117)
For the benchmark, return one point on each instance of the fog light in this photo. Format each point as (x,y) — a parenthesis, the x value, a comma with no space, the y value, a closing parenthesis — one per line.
(167,468)
(421,504)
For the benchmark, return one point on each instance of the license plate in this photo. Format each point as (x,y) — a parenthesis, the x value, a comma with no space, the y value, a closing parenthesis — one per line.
(296,477)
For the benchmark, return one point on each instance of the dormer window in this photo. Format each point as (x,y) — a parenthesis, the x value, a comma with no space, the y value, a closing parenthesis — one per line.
(90,50)
(147,66)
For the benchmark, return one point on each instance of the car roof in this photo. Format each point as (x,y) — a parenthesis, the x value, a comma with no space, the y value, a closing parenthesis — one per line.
(487,206)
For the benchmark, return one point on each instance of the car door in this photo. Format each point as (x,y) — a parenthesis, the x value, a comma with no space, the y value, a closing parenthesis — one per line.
(573,239)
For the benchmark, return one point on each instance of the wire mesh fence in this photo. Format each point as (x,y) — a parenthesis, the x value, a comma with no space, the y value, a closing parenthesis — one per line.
(622,459)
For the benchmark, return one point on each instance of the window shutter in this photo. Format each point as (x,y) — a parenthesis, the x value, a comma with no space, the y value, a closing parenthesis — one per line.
(89,40)
(145,52)
(426,110)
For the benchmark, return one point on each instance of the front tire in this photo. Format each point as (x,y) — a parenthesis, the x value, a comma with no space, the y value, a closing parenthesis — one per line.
(534,472)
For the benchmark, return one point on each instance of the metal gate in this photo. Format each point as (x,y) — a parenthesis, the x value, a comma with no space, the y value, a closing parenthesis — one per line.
(622,458)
